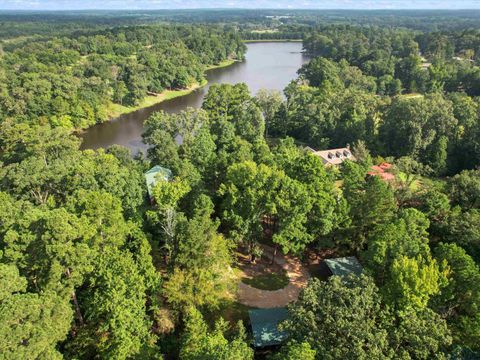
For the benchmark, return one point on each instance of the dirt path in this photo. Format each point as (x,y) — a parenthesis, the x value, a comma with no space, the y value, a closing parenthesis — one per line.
(297,274)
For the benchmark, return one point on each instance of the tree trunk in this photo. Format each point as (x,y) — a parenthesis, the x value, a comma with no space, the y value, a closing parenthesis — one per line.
(274,253)
(78,312)
(77,308)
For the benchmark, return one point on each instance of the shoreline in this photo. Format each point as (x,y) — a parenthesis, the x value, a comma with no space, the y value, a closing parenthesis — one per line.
(271,40)
(114,111)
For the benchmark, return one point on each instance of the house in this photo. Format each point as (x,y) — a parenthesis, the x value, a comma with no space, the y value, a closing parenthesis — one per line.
(265,323)
(458,58)
(155,174)
(382,171)
(344,266)
(425,65)
(333,157)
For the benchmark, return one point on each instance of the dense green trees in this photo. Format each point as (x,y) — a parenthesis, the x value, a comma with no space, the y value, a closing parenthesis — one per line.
(70,81)
(199,343)
(69,231)
(89,268)
(459,301)
(32,323)
(345,318)
(439,131)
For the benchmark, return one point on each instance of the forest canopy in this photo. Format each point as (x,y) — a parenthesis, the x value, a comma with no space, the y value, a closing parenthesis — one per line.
(99,262)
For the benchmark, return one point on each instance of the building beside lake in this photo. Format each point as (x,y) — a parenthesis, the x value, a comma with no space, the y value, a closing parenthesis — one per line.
(154,175)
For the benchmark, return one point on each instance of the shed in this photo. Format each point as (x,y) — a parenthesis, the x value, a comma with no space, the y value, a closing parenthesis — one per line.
(154,174)
(265,323)
(344,266)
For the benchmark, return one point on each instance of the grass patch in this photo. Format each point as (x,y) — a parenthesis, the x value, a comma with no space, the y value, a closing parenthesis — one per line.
(272,281)
(222,64)
(414,185)
(115,110)
(272,40)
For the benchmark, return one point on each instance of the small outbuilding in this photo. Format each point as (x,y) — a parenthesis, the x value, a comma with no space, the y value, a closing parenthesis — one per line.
(154,175)
(344,266)
(265,323)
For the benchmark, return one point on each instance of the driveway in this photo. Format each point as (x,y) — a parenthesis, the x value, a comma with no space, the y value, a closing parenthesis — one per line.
(297,274)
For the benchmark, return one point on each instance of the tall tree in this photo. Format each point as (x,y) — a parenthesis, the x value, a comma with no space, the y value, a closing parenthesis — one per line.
(199,343)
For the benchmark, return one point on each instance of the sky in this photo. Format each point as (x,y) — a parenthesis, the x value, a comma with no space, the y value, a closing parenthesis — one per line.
(273,4)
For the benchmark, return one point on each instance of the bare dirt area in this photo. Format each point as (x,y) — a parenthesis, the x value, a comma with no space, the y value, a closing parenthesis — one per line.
(296,272)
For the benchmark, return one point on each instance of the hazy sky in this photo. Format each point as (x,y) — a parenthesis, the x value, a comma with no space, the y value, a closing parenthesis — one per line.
(180,4)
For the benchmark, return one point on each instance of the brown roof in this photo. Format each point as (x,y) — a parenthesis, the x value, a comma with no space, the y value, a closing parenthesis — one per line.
(335,156)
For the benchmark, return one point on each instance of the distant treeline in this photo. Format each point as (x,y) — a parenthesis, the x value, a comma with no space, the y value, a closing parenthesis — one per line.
(27,23)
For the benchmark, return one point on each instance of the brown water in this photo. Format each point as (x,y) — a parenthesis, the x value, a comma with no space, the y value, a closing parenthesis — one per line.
(268,65)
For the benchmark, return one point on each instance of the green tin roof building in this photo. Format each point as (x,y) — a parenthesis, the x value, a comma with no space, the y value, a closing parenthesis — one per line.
(344,266)
(265,323)
(155,174)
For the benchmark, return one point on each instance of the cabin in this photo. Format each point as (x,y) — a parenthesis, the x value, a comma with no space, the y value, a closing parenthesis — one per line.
(344,266)
(155,174)
(333,157)
(264,323)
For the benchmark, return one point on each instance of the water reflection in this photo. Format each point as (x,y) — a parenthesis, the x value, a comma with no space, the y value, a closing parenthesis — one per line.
(267,65)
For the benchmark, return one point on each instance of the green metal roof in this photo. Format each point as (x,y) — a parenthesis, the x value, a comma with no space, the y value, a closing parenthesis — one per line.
(154,174)
(463,353)
(265,326)
(344,266)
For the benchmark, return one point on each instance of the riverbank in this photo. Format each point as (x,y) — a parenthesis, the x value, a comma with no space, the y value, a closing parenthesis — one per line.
(116,110)
(222,64)
(269,65)
(272,40)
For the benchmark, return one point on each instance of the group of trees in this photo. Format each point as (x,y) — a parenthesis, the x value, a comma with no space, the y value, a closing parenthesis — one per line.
(76,265)
(418,296)
(89,268)
(70,81)
(360,89)
(417,245)
(394,57)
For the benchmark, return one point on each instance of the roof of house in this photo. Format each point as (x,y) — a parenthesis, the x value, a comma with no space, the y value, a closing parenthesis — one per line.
(265,326)
(382,171)
(154,174)
(335,156)
(344,266)
(463,353)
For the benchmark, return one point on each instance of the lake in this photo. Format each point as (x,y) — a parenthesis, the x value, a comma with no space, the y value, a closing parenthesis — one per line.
(270,65)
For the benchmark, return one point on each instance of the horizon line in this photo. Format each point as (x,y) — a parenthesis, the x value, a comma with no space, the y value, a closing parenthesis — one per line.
(240,8)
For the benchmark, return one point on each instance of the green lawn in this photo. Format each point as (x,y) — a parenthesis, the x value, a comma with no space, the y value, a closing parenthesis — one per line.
(272,40)
(222,64)
(115,110)
(414,186)
(273,281)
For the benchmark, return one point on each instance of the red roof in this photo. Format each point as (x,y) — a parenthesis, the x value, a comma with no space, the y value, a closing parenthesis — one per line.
(381,173)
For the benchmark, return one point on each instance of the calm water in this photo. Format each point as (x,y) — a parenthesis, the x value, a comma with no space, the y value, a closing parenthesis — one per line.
(267,65)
